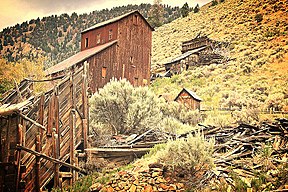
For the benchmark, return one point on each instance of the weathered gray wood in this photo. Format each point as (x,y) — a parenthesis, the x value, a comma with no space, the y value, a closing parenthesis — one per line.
(32,121)
(139,137)
(19,147)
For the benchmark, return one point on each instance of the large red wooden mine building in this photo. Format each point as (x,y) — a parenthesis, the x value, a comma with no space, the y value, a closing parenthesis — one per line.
(117,48)
(43,136)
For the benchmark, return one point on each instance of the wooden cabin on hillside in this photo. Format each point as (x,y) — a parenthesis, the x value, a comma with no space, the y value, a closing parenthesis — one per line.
(189,99)
(42,137)
(117,48)
(197,51)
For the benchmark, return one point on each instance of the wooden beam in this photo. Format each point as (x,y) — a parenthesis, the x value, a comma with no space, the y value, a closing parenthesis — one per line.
(45,80)
(18,153)
(51,114)
(37,166)
(18,91)
(8,129)
(85,104)
(41,114)
(32,121)
(139,137)
(56,138)
(19,147)
(72,126)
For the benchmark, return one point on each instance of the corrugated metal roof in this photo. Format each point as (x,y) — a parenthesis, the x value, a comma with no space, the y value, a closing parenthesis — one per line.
(185,55)
(77,58)
(114,20)
(191,93)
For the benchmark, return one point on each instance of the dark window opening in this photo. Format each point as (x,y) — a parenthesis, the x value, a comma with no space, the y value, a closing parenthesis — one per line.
(86,42)
(135,19)
(131,59)
(104,72)
(110,34)
(136,83)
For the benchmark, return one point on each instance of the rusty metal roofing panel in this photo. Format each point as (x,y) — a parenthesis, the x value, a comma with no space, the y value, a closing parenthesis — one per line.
(185,55)
(77,58)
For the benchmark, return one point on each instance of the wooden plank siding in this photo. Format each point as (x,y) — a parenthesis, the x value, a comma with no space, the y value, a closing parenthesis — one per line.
(53,111)
(105,58)
(188,101)
(104,36)
(134,51)
(55,124)
(124,51)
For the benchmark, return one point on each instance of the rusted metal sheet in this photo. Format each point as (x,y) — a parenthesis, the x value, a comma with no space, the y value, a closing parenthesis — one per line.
(76,61)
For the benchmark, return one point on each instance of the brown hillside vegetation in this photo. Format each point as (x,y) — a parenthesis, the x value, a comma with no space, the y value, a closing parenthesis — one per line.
(257,72)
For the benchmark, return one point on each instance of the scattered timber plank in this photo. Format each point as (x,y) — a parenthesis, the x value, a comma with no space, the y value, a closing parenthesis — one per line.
(19,147)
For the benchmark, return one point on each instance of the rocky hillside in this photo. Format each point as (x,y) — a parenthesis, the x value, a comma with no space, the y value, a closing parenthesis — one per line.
(257,72)
(58,37)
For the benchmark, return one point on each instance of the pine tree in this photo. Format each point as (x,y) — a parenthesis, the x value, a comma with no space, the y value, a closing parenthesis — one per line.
(156,14)
(185,10)
(214,2)
(197,8)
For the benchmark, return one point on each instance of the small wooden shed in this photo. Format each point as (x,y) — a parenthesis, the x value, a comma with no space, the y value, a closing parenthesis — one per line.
(189,99)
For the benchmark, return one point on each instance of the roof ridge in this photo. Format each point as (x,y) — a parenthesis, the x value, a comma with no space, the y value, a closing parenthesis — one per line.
(109,21)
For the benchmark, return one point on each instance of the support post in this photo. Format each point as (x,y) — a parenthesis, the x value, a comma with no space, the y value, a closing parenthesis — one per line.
(85,104)
(56,142)
(37,168)
(72,126)
(18,155)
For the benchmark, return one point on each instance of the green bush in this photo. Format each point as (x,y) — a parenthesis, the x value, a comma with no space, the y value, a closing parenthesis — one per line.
(123,109)
(119,108)
(214,2)
(182,114)
(258,17)
(188,152)
(192,155)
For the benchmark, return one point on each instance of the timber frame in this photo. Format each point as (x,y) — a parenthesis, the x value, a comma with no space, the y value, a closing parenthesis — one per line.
(41,135)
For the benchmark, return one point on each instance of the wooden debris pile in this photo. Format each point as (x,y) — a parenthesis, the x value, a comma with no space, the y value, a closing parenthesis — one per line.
(247,151)
(127,148)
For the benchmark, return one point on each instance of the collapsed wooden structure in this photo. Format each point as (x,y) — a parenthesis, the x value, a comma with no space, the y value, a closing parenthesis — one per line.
(42,135)
(195,52)
(247,150)
(125,149)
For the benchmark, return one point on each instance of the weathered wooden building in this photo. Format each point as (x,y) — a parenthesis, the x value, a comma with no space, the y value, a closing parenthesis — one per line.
(189,99)
(117,48)
(198,51)
(41,135)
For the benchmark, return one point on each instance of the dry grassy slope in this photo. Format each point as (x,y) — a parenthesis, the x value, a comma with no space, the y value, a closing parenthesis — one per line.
(260,50)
